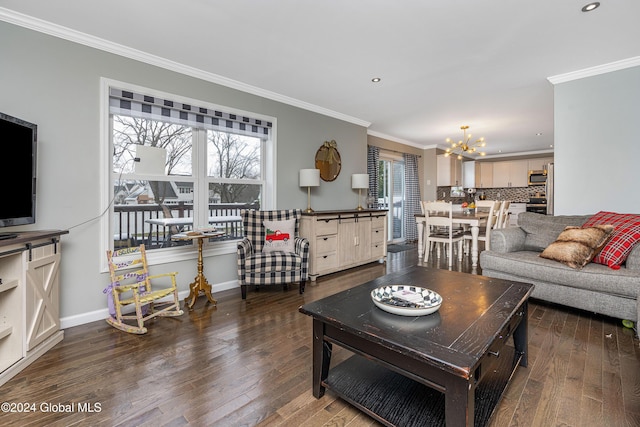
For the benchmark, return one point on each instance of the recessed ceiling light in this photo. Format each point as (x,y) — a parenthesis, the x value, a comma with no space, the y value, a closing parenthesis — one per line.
(376,79)
(539,134)
(591,6)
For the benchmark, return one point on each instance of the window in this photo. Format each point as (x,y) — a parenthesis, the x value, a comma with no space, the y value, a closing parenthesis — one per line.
(180,164)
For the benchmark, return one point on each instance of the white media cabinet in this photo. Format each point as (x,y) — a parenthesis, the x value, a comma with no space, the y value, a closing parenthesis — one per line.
(29,299)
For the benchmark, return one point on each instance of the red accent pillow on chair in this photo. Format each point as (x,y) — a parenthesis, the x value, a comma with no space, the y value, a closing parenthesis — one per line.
(625,236)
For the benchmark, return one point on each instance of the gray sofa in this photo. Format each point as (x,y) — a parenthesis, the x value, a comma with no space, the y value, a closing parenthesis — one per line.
(514,255)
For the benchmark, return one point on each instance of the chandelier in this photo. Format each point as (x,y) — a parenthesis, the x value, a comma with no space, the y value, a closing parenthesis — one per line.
(464,146)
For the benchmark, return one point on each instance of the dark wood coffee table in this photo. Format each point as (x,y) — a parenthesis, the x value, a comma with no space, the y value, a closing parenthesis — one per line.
(450,367)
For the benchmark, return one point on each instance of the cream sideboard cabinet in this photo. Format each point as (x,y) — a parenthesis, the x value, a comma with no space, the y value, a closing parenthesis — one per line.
(29,299)
(343,239)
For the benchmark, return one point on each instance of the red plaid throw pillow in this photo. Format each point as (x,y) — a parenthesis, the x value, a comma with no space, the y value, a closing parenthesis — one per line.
(623,238)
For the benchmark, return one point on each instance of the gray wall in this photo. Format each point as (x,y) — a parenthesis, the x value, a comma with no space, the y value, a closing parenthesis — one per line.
(300,135)
(597,147)
(56,84)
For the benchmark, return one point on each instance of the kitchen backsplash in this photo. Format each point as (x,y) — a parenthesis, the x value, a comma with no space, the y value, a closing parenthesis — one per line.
(513,194)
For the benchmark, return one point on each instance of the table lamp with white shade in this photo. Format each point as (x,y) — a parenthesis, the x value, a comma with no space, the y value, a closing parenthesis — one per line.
(309,178)
(360,181)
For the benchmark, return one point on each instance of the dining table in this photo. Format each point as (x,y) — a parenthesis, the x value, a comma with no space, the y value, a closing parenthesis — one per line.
(473,220)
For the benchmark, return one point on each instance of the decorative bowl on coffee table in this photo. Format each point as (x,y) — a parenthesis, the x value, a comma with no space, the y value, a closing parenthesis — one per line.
(406,300)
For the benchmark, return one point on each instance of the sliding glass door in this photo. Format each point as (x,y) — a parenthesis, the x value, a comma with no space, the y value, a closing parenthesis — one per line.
(391,194)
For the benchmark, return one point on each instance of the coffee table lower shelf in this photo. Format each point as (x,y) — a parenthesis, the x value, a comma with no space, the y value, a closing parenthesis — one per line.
(396,400)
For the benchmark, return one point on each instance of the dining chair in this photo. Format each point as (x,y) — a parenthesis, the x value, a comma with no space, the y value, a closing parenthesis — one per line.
(503,215)
(492,208)
(423,204)
(440,228)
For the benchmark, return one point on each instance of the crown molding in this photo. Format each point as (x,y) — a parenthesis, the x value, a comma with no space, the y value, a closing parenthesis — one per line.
(504,155)
(519,154)
(394,139)
(594,71)
(65,33)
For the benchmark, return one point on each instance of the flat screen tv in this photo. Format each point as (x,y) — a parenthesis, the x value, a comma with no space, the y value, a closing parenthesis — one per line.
(18,139)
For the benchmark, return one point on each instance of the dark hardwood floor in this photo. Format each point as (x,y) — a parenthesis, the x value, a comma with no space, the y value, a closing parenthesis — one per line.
(248,363)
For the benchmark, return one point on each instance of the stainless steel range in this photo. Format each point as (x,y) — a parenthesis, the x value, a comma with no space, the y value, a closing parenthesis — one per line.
(537,205)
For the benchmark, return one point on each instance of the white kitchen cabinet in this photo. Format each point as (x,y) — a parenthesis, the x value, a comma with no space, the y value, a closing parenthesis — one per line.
(501,174)
(519,173)
(449,171)
(468,174)
(484,175)
(343,239)
(512,173)
(29,299)
(539,163)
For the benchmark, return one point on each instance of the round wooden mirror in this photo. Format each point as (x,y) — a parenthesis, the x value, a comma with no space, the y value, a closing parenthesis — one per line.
(328,161)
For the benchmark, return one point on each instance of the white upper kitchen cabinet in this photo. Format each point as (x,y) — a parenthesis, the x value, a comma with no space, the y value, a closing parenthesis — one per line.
(468,174)
(484,175)
(512,173)
(539,163)
(449,171)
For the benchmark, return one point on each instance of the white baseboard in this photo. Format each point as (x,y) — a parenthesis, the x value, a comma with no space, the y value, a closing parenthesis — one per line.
(92,316)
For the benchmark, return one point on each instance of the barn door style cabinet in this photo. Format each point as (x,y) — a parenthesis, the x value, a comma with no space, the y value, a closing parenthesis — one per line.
(343,239)
(29,299)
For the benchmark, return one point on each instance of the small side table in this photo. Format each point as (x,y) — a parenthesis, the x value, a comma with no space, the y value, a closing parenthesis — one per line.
(200,282)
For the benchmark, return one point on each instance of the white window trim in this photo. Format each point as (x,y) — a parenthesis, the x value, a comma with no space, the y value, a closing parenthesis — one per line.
(182,253)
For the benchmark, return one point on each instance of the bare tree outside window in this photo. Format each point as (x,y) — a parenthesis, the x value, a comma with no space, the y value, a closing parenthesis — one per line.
(130,131)
(232,158)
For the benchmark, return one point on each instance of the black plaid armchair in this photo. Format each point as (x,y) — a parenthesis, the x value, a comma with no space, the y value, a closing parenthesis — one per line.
(258,267)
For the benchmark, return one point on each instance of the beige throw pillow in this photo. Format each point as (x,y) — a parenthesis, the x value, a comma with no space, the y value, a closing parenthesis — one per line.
(577,246)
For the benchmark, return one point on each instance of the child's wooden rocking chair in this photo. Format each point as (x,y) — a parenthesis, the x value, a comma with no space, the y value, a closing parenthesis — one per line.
(130,286)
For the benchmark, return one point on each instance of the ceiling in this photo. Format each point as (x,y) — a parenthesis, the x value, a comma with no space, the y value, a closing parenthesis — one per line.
(442,63)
